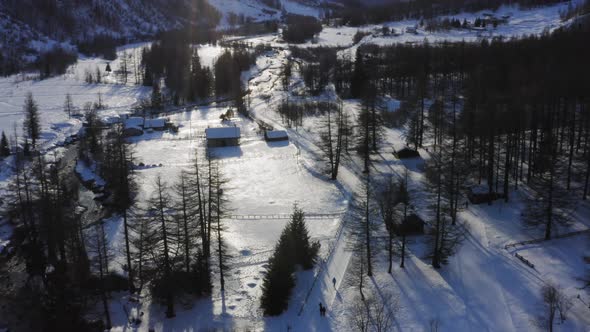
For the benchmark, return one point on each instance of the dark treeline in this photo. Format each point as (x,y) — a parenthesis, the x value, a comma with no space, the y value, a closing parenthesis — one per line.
(54,62)
(494,115)
(245,26)
(101,45)
(276,4)
(228,69)
(356,13)
(177,235)
(318,69)
(497,113)
(173,240)
(300,28)
(175,60)
(77,22)
(66,256)
(62,19)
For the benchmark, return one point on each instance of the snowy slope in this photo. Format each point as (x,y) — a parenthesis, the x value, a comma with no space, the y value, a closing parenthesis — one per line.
(50,95)
(258,11)
(29,27)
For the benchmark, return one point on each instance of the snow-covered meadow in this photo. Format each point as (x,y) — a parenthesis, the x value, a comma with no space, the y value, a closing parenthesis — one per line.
(485,287)
(520,22)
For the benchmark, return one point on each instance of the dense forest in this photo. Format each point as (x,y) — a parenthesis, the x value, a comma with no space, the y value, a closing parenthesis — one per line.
(501,113)
(356,13)
(92,28)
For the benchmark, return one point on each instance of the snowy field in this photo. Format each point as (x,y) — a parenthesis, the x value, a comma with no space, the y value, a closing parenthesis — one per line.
(50,96)
(259,12)
(520,23)
(484,287)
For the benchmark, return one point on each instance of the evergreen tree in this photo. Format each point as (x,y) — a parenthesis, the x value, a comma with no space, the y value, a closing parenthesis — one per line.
(386,201)
(185,207)
(304,251)
(332,135)
(120,182)
(101,261)
(219,206)
(363,227)
(359,78)
(68,105)
(4,147)
(444,238)
(551,204)
(32,122)
(98,75)
(156,99)
(287,72)
(404,197)
(279,280)
(164,237)
(294,248)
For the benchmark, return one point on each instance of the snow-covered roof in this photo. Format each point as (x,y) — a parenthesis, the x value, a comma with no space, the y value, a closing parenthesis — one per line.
(390,104)
(222,132)
(112,119)
(276,134)
(134,122)
(154,123)
(480,189)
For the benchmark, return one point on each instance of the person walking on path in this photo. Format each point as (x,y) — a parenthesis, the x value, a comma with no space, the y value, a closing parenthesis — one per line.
(334,282)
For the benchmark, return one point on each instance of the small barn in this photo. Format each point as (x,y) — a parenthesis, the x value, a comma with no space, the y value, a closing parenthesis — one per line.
(481,194)
(406,153)
(276,135)
(222,136)
(133,127)
(412,225)
(155,124)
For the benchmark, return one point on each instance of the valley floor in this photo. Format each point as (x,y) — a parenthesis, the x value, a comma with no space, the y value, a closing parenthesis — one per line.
(485,287)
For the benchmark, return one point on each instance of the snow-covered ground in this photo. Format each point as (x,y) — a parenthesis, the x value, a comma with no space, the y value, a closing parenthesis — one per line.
(260,12)
(265,179)
(520,23)
(484,287)
(50,96)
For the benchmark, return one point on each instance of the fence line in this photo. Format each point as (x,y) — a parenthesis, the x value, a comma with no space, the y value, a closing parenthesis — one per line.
(523,243)
(324,262)
(282,216)
(524,260)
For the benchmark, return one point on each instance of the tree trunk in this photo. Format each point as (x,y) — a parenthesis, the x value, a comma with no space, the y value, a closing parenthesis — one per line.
(219,240)
(368,231)
(403,254)
(167,267)
(128,252)
(435,256)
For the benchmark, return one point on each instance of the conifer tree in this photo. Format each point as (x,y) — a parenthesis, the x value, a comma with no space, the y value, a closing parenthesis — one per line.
(279,280)
(4,147)
(386,201)
(32,122)
(68,105)
(304,251)
(156,97)
(294,248)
